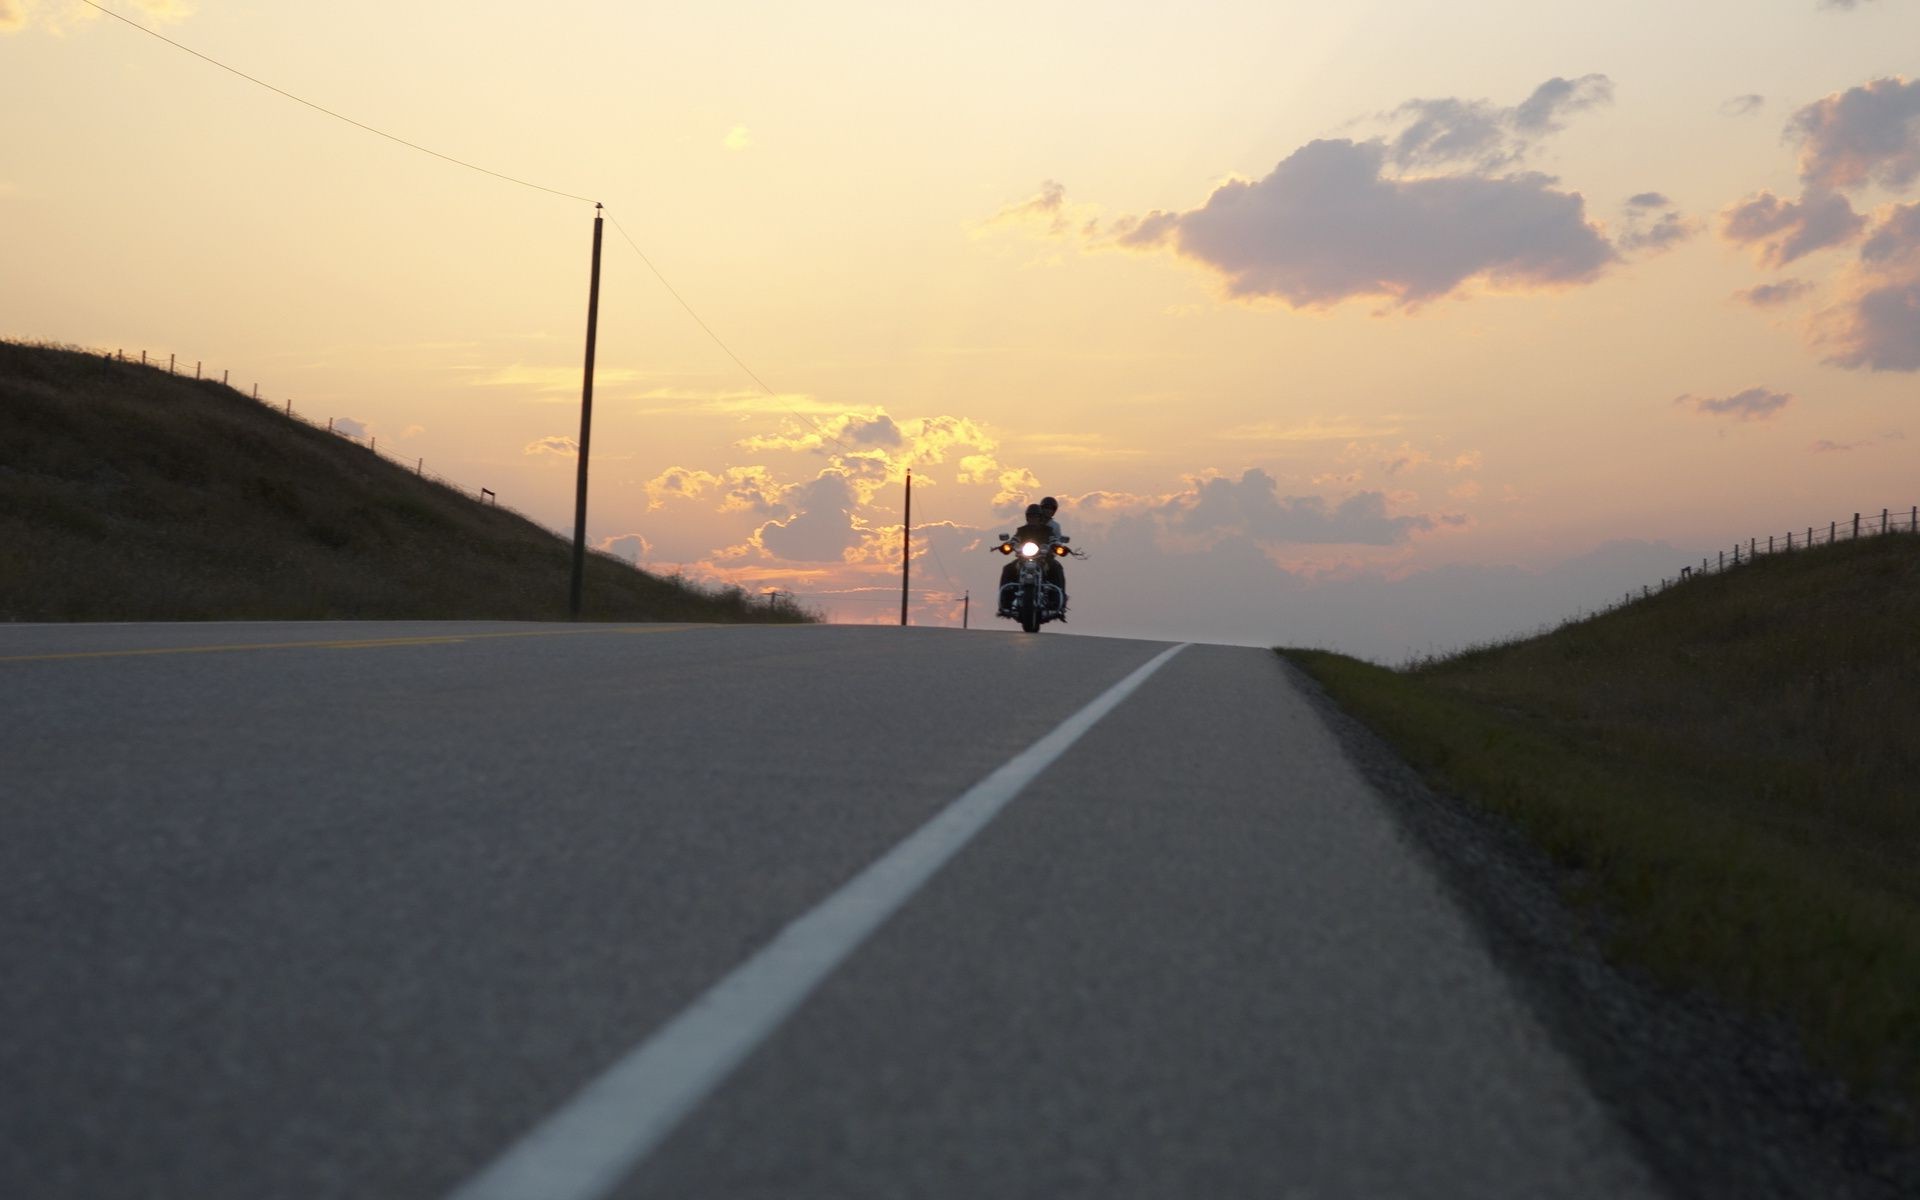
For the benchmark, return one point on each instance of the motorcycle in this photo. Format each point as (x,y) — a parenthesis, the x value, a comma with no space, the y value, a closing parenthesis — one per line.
(1031,598)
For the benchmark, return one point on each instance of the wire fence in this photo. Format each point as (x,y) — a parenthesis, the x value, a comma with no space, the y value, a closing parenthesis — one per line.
(174,365)
(1740,554)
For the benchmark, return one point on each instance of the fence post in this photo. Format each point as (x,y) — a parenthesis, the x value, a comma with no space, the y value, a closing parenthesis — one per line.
(1770,543)
(169,364)
(1883,520)
(196,368)
(1913,520)
(329,424)
(373,443)
(143,358)
(1723,560)
(289,405)
(1856,525)
(1833,532)
(419,466)
(223,378)
(256,392)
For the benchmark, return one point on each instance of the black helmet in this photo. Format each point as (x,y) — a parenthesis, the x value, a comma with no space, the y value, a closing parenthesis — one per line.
(1050,504)
(1036,513)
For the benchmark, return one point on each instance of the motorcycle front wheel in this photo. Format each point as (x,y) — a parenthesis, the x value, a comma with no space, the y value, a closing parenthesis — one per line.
(1029,614)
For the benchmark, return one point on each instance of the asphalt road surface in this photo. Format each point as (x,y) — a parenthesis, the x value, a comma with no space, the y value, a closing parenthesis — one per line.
(369,910)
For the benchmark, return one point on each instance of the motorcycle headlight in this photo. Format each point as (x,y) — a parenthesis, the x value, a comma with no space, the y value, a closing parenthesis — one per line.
(1029,549)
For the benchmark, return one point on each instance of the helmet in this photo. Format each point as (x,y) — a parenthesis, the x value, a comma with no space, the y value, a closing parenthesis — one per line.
(1050,504)
(1036,513)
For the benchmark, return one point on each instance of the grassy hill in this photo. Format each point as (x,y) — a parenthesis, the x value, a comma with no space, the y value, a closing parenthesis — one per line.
(127,493)
(1730,769)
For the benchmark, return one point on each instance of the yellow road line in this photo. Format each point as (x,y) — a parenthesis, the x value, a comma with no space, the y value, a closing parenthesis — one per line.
(342,643)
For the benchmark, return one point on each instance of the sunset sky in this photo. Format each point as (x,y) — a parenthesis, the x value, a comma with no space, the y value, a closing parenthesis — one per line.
(1387,326)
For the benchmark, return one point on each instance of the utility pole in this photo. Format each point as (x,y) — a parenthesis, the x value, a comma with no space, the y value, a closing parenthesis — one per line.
(586,428)
(966,607)
(906,546)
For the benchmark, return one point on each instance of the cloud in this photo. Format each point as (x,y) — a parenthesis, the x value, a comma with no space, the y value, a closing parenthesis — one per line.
(13,16)
(1866,134)
(563,447)
(1422,211)
(1781,231)
(1880,329)
(630,546)
(1669,231)
(744,489)
(822,530)
(1842,5)
(1772,295)
(1253,506)
(1754,404)
(848,430)
(1326,226)
(1640,230)
(737,138)
(1482,135)
(1895,242)
(1047,209)
(349,427)
(1743,106)
(1876,323)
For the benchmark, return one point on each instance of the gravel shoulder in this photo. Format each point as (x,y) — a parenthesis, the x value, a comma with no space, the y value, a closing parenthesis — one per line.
(1720,1105)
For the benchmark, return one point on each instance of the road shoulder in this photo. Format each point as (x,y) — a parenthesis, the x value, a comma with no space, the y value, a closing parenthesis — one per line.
(1719,1106)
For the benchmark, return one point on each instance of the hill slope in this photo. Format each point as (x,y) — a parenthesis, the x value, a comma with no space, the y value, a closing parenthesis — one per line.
(127,493)
(1730,773)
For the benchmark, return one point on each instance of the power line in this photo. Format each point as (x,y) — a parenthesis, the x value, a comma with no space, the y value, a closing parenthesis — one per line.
(664,282)
(822,430)
(327,111)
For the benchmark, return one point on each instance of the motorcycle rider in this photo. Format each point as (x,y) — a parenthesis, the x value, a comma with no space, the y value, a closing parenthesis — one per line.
(1040,527)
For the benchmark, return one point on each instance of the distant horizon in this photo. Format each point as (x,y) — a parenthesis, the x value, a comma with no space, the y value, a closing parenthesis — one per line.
(1388,330)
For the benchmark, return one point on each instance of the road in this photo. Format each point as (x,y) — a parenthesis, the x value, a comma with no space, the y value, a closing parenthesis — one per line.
(361,910)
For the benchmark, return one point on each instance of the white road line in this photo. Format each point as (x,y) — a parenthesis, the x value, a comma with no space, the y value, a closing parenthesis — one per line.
(596,1139)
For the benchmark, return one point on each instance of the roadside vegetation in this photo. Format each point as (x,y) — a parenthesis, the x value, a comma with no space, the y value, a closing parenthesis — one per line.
(128,493)
(1730,773)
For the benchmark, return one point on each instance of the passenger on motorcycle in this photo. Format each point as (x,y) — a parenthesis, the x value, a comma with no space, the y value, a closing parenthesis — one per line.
(1042,528)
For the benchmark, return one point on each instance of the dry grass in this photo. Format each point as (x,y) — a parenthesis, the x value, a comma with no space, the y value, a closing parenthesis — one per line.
(127,493)
(1730,764)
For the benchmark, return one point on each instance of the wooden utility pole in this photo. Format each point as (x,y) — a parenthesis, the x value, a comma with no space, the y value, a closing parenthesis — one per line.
(906,546)
(586,429)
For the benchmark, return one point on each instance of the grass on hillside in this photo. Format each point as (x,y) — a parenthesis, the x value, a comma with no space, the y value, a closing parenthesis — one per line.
(128,493)
(1732,766)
